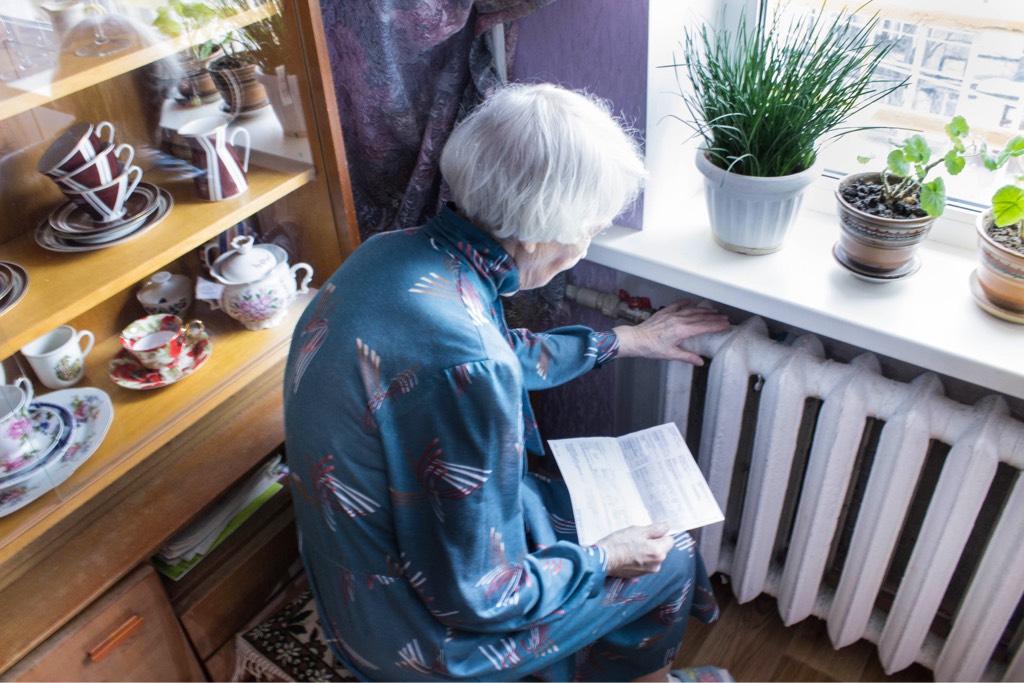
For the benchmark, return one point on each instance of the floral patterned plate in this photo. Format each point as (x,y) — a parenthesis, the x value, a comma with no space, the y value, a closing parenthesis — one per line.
(26,485)
(44,429)
(127,372)
(92,413)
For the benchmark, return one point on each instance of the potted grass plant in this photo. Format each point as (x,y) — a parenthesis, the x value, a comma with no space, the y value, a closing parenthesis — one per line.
(998,282)
(765,96)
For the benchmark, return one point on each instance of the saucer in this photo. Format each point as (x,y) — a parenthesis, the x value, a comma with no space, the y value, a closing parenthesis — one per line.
(126,371)
(873,276)
(48,427)
(72,219)
(6,280)
(48,238)
(19,285)
(986,305)
(91,411)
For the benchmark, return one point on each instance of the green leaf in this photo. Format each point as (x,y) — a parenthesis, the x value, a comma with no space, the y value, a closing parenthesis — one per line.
(166,24)
(865,159)
(933,197)
(954,162)
(917,150)
(897,163)
(1008,205)
(957,128)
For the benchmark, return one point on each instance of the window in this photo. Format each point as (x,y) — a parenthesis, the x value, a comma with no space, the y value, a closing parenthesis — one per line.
(963,58)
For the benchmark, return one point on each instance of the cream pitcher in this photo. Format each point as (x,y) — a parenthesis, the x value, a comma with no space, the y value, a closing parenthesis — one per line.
(215,153)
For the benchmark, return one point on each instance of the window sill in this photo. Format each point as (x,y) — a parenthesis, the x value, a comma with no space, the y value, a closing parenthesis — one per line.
(929,320)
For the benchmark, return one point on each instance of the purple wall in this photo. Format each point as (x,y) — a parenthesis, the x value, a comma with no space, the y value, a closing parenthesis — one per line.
(595,45)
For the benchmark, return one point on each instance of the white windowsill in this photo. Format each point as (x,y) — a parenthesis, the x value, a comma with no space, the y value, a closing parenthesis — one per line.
(929,319)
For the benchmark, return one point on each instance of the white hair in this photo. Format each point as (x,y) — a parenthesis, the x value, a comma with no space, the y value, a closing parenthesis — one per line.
(539,163)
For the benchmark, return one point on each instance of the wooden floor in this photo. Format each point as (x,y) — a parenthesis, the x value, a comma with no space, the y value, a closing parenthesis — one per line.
(751,641)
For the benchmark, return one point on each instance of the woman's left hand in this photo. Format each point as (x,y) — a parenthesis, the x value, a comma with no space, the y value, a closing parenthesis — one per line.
(660,335)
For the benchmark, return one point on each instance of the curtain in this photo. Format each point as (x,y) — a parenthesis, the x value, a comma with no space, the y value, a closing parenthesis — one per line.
(405,71)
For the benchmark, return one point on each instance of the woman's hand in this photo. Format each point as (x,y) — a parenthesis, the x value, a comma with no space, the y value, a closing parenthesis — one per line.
(660,335)
(636,550)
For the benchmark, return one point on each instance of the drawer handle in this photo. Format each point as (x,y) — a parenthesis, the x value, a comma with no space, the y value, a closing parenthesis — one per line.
(110,643)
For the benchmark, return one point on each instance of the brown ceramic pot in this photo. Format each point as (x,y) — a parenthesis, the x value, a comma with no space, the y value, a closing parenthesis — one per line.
(236,81)
(875,244)
(1000,272)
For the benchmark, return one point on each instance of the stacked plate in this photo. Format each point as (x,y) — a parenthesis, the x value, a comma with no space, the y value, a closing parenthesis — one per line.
(13,284)
(67,427)
(70,228)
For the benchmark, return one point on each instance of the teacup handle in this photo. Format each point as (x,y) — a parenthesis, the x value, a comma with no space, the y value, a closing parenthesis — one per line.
(90,339)
(26,388)
(99,128)
(192,330)
(131,154)
(304,284)
(231,139)
(134,183)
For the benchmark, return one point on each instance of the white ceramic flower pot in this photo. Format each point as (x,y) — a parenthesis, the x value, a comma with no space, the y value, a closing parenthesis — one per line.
(751,215)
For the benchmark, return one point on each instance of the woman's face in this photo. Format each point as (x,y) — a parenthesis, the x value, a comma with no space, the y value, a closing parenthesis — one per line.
(539,262)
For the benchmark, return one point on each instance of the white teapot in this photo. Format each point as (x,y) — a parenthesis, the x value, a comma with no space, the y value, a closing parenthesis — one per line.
(258,284)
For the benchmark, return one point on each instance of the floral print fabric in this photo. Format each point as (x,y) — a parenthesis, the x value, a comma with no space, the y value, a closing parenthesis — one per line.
(432,553)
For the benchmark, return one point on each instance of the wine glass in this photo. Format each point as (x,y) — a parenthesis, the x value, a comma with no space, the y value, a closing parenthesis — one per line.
(102,44)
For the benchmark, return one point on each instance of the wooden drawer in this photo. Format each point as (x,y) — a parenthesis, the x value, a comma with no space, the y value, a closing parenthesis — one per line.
(224,591)
(130,634)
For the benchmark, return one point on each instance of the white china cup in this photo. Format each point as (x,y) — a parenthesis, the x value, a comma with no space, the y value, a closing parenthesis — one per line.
(15,423)
(166,293)
(58,357)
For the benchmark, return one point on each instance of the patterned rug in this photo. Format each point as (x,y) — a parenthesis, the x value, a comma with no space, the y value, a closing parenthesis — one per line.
(289,646)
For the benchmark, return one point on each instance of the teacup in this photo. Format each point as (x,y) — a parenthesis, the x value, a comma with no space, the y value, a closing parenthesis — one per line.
(156,341)
(106,202)
(58,357)
(15,423)
(74,147)
(101,170)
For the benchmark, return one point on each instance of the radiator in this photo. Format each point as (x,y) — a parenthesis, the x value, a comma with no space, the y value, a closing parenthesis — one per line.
(886,508)
(830,474)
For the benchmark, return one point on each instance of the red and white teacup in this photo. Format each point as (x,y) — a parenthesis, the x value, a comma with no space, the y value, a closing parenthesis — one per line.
(156,341)
(106,202)
(74,147)
(100,170)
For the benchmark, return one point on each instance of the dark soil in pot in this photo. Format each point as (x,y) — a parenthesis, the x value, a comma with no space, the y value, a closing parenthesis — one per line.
(1008,236)
(866,195)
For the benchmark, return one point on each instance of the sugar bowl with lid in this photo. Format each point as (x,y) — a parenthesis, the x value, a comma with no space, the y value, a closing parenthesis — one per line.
(258,283)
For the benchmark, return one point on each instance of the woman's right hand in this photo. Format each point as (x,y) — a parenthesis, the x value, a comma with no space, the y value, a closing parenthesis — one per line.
(636,550)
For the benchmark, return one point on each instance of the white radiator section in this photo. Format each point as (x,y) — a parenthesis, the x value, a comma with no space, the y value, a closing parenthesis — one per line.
(980,436)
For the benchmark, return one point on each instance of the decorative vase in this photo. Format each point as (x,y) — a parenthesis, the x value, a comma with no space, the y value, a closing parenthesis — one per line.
(751,215)
(197,86)
(285,99)
(873,246)
(998,282)
(237,84)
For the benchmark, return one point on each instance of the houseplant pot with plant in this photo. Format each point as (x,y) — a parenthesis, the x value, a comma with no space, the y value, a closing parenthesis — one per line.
(180,18)
(248,50)
(765,97)
(885,215)
(998,282)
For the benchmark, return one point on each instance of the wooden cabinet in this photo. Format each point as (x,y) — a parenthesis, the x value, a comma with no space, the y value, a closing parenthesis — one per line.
(131,634)
(169,451)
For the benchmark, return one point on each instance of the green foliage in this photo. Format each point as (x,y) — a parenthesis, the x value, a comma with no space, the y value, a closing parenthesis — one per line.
(190,17)
(1008,200)
(908,168)
(765,99)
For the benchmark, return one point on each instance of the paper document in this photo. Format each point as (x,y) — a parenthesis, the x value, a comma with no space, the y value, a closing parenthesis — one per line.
(637,479)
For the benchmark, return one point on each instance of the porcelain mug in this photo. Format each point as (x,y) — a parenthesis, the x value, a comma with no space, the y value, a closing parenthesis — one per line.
(15,423)
(106,202)
(156,341)
(215,154)
(101,170)
(58,357)
(74,147)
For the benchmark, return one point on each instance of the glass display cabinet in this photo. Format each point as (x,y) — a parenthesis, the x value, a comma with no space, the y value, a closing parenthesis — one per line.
(120,460)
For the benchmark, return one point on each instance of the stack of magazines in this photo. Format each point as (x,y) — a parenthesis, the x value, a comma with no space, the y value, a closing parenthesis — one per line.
(202,536)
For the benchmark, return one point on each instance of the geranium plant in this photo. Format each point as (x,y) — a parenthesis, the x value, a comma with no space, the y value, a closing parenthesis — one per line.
(1008,200)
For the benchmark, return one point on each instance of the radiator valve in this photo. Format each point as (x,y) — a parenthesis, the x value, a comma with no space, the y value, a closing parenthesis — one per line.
(635,309)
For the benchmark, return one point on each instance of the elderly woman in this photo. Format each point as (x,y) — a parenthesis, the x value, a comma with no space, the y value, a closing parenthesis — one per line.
(432,552)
